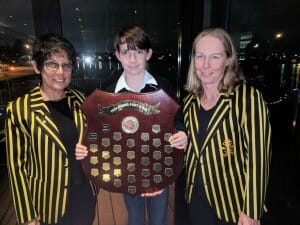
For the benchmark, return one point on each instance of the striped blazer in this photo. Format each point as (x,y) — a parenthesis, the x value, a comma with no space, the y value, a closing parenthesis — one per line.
(38,162)
(234,158)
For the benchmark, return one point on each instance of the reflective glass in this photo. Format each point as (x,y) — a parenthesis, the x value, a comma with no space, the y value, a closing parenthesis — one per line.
(91,27)
(16,37)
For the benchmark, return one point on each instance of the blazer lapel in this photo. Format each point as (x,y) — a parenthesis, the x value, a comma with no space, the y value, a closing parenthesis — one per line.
(218,116)
(43,117)
(191,118)
(78,115)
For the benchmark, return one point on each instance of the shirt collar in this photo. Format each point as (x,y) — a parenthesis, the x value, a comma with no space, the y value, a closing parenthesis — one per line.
(121,84)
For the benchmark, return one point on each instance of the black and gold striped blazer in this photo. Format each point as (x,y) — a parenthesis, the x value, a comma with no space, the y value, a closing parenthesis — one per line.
(38,162)
(234,158)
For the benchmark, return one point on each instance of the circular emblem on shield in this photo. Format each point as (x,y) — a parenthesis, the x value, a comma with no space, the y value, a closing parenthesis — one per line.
(130,124)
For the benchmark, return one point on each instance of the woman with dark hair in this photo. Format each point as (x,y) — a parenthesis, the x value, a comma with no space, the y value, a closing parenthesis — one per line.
(229,149)
(42,129)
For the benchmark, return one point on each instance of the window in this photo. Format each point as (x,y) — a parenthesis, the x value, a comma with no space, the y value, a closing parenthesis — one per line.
(16,36)
(91,27)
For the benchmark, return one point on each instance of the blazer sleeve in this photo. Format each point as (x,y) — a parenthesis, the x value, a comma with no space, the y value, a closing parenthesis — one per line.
(257,140)
(17,148)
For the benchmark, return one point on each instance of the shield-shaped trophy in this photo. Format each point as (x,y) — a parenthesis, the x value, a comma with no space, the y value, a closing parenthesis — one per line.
(127,136)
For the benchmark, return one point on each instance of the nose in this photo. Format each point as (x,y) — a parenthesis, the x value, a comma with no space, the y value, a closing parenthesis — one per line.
(60,69)
(206,62)
(132,56)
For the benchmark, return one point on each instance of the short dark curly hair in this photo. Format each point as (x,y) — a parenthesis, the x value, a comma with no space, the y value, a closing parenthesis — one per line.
(47,45)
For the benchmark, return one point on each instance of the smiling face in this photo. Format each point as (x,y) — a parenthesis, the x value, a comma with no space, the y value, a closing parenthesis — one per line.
(210,60)
(56,73)
(133,60)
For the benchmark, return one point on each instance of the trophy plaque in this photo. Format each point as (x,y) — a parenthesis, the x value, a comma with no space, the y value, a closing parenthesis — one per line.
(127,136)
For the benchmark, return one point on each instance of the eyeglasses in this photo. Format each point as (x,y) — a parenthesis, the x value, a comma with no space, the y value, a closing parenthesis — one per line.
(53,66)
(129,53)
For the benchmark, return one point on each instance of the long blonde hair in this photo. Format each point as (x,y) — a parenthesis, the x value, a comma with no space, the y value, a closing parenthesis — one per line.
(232,75)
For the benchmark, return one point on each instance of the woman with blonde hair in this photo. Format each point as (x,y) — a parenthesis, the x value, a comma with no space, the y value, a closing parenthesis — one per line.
(228,155)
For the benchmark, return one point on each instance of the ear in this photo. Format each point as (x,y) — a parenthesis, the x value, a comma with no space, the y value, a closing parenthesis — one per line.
(35,68)
(149,54)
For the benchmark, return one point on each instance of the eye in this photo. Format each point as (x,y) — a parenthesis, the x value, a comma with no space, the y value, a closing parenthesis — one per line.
(140,51)
(216,56)
(52,65)
(124,52)
(67,66)
(199,55)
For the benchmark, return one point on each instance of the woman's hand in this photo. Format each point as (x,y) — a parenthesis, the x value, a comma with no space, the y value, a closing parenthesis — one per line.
(246,220)
(81,151)
(33,222)
(179,140)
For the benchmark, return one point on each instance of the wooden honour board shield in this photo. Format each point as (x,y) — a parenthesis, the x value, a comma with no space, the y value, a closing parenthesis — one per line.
(127,136)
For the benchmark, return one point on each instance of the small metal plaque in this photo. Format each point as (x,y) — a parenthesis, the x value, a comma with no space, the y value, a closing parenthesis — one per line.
(130,155)
(94,160)
(167,136)
(106,166)
(117,148)
(132,190)
(156,167)
(117,183)
(145,149)
(145,183)
(117,136)
(92,136)
(130,143)
(117,161)
(105,154)
(94,172)
(156,128)
(145,136)
(131,179)
(106,177)
(157,179)
(168,149)
(131,167)
(93,148)
(169,172)
(145,161)
(168,161)
(105,142)
(145,172)
(156,142)
(156,155)
(117,172)
(105,127)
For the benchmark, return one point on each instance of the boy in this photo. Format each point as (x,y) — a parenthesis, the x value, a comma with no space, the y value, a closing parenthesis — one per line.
(133,50)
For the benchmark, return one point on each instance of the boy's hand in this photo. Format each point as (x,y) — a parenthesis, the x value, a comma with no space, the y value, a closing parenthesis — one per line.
(152,194)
